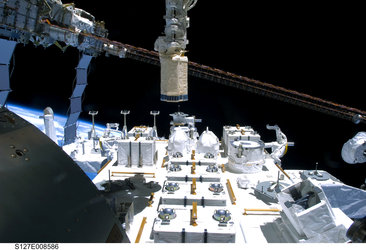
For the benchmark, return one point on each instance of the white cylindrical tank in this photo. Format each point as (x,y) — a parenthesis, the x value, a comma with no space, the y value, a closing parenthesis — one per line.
(208,143)
(354,150)
(49,126)
(178,142)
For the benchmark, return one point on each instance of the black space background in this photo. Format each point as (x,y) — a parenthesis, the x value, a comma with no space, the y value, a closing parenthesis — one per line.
(304,46)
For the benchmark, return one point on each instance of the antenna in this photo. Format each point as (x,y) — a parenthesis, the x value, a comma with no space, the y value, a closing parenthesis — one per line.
(93,113)
(124,129)
(316,172)
(92,132)
(155,131)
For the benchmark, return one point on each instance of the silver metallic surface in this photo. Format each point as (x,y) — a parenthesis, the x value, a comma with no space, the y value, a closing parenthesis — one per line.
(222,215)
(172,186)
(216,187)
(167,214)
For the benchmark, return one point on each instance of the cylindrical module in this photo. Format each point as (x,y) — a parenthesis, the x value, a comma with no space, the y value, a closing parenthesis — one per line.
(174,78)
(354,150)
(49,125)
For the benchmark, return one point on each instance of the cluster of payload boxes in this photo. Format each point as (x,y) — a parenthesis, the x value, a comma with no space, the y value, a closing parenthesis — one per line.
(138,148)
(195,204)
(242,146)
(196,198)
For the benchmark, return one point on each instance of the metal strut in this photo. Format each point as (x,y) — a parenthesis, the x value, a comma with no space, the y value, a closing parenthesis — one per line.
(75,99)
(6,52)
(254,86)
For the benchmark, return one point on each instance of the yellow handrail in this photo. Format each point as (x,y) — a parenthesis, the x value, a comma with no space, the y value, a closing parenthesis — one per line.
(153,174)
(260,210)
(193,168)
(100,170)
(283,171)
(231,192)
(223,168)
(193,186)
(138,237)
(137,137)
(151,200)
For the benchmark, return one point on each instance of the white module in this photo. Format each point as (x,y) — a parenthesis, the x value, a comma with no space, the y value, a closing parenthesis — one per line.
(175,225)
(208,144)
(246,156)
(49,125)
(180,144)
(137,152)
(231,133)
(353,151)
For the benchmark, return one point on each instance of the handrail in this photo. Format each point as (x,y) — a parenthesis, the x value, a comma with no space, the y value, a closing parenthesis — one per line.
(231,192)
(193,186)
(223,169)
(260,210)
(283,171)
(105,165)
(193,168)
(151,200)
(138,237)
(143,173)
